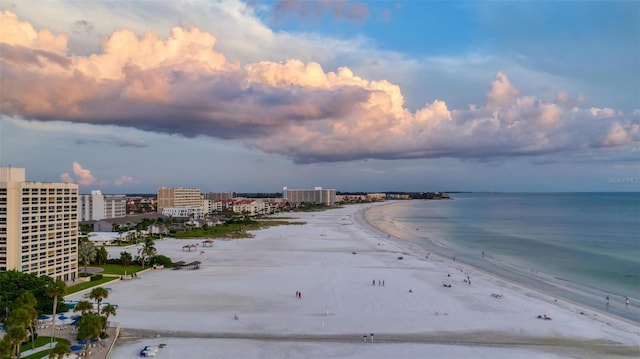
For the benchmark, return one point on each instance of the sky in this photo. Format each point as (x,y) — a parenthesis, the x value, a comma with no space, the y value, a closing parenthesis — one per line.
(252,96)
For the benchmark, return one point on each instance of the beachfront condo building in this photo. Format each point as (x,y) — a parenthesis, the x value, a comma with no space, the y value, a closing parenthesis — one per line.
(216,196)
(97,206)
(38,226)
(317,195)
(178,197)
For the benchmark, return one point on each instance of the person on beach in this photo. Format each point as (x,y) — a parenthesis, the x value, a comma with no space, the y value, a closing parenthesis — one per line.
(626,302)
(607,302)
(373,282)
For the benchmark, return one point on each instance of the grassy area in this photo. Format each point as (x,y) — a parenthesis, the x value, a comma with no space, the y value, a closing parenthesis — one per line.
(86,285)
(40,341)
(233,230)
(118,269)
(277,222)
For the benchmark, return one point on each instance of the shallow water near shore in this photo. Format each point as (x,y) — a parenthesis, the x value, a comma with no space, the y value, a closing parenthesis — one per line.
(580,246)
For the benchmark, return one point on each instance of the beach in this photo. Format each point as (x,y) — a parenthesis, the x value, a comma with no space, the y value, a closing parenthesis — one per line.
(354,281)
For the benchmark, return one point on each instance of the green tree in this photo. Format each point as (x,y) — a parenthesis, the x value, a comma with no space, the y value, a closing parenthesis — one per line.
(56,290)
(16,334)
(17,322)
(107,311)
(98,294)
(83,307)
(125,258)
(6,348)
(60,351)
(86,253)
(89,328)
(147,251)
(14,283)
(163,260)
(27,302)
(86,228)
(102,255)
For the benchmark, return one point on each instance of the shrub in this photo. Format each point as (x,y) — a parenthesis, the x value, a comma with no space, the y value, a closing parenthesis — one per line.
(96,277)
(162,260)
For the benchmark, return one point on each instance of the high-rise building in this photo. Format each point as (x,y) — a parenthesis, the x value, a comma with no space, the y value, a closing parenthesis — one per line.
(96,206)
(317,195)
(178,197)
(216,196)
(38,226)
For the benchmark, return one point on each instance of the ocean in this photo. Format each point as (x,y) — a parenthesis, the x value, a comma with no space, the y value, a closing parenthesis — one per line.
(578,246)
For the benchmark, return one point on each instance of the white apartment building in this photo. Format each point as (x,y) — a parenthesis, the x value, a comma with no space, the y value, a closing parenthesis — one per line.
(96,206)
(38,226)
(191,212)
(178,197)
(317,195)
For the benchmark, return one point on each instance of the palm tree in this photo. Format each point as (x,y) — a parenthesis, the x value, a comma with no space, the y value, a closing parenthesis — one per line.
(102,255)
(83,307)
(16,335)
(86,253)
(147,251)
(125,258)
(98,294)
(28,301)
(108,310)
(89,328)
(55,289)
(17,322)
(60,351)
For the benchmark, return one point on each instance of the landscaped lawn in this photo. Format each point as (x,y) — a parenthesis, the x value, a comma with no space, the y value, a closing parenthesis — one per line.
(119,269)
(85,285)
(40,341)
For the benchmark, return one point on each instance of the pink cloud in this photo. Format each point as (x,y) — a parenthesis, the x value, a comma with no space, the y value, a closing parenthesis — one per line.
(123,180)
(182,85)
(84,177)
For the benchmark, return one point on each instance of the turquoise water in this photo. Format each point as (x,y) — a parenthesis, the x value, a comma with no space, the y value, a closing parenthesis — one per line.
(581,246)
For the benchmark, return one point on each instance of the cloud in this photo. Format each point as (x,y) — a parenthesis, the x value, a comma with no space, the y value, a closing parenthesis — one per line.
(82,176)
(110,140)
(82,26)
(182,85)
(124,180)
(317,9)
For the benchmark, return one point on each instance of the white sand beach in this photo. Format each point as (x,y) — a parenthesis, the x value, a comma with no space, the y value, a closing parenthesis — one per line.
(333,261)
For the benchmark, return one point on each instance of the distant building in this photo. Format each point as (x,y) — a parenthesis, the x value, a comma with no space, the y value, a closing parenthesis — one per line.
(215,196)
(178,197)
(96,206)
(191,212)
(317,195)
(38,226)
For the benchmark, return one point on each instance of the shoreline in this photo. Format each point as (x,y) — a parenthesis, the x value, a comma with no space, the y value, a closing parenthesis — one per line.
(332,260)
(550,286)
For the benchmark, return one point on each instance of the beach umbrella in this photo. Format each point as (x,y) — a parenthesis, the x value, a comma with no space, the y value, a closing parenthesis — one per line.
(44,317)
(63,317)
(76,348)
